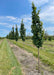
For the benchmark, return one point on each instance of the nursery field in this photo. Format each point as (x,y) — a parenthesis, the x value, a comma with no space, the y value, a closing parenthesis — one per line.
(46,52)
(11,51)
(8,63)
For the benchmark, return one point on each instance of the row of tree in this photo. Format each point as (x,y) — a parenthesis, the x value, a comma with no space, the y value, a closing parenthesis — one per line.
(36,29)
(14,35)
(46,36)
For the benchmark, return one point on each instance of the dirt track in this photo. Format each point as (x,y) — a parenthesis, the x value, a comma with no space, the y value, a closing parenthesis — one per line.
(1,41)
(28,61)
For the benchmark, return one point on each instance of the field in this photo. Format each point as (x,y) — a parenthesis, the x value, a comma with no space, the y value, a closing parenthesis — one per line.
(8,63)
(11,51)
(46,52)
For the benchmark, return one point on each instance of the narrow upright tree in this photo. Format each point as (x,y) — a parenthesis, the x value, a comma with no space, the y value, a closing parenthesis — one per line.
(22,31)
(10,35)
(37,30)
(13,32)
(46,35)
(16,34)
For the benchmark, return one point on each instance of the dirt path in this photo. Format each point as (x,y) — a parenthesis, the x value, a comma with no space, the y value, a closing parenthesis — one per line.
(1,41)
(28,61)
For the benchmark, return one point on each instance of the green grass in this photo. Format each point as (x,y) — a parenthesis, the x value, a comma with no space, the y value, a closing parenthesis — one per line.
(8,62)
(46,53)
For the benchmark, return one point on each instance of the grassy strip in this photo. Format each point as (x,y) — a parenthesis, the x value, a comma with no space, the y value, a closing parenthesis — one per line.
(46,57)
(8,62)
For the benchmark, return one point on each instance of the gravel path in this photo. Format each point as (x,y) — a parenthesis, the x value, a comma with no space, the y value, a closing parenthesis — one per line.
(28,61)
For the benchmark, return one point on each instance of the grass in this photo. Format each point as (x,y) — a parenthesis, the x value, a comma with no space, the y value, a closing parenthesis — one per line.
(8,62)
(46,53)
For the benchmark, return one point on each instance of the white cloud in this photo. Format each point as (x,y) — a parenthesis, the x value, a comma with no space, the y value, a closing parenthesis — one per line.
(3,32)
(6,25)
(50,29)
(39,2)
(8,18)
(48,14)
(26,18)
(11,18)
(3,23)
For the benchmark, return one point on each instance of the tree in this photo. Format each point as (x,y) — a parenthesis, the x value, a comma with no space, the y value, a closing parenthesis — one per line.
(37,30)
(10,35)
(22,31)
(46,35)
(49,38)
(16,34)
(13,32)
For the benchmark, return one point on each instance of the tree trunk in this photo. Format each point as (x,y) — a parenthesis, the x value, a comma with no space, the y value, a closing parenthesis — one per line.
(38,62)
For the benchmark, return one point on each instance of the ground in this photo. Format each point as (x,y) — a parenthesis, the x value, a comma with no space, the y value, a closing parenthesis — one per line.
(8,63)
(20,58)
(46,52)
(28,61)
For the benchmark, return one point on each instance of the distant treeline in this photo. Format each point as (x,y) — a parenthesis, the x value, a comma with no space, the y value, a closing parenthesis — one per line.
(45,37)
(2,37)
(48,37)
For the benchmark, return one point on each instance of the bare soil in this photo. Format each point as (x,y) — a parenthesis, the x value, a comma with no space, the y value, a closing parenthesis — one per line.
(1,41)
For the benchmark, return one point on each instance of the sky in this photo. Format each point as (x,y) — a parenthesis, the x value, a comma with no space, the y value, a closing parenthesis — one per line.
(13,11)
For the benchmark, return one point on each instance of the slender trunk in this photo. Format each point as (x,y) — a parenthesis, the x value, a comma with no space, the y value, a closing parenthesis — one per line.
(38,62)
